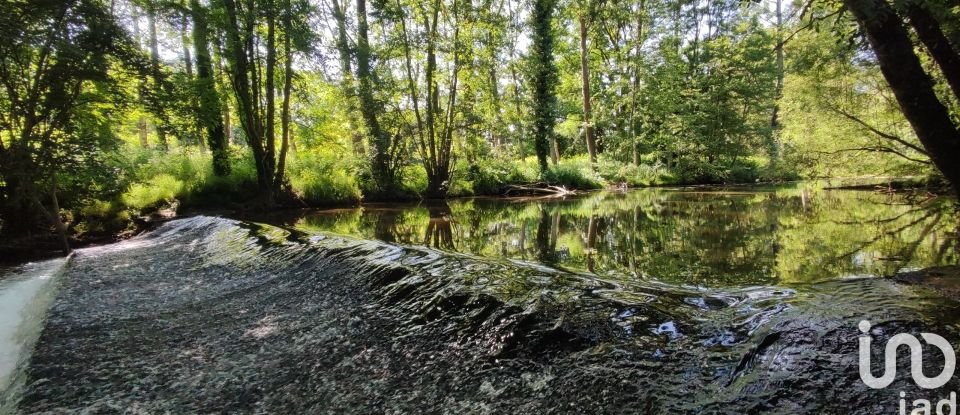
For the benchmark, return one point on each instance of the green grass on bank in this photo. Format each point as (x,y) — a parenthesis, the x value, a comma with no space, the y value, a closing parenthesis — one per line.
(184,177)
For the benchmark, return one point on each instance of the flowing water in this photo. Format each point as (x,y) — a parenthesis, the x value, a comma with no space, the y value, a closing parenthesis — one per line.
(24,298)
(652,301)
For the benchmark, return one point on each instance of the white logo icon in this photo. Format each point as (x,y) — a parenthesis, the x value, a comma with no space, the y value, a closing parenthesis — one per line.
(916,359)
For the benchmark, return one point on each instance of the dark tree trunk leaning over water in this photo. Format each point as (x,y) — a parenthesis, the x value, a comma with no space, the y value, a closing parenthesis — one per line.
(912,86)
(936,42)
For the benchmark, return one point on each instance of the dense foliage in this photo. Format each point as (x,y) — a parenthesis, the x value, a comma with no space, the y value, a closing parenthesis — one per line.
(114,109)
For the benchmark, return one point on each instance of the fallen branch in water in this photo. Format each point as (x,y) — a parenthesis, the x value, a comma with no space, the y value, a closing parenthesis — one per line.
(540,189)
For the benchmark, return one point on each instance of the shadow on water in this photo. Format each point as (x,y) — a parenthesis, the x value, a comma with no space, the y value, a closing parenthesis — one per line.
(645,302)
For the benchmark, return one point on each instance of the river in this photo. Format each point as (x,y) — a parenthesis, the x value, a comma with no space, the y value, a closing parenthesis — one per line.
(649,301)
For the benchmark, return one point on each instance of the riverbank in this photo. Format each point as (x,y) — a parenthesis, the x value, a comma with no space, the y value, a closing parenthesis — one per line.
(90,228)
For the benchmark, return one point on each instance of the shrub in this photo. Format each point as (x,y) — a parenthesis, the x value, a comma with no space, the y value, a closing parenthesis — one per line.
(741,173)
(413,179)
(776,171)
(326,187)
(574,173)
(323,178)
(193,169)
(234,187)
(163,188)
(490,176)
(649,172)
(101,217)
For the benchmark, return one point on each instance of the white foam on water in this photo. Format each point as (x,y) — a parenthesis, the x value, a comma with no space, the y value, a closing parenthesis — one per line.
(25,295)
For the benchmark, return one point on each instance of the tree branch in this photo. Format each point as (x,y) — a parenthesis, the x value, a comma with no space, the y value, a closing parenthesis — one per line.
(809,24)
(878,149)
(872,129)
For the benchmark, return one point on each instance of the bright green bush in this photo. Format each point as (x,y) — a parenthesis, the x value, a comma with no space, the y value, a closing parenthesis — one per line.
(325,188)
(460,187)
(488,177)
(776,171)
(694,171)
(101,217)
(745,172)
(234,187)
(163,188)
(574,173)
(321,178)
(193,169)
(413,179)
(636,175)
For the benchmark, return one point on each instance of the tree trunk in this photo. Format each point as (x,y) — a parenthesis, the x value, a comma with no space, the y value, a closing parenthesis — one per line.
(414,93)
(285,106)
(774,118)
(61,228)
(56,219)
(155,63)
(432,94)
(379,139)
(446,141)
(912,87)
(185,42)
(141,120)
(185,34)
(585,79)
(246,86)
(554,150)
(516,103)
(634,150)
(210,106)
(346,73)
(142,131)
(544,80)
(227,124)
(496,139)
(270,82)
(435,176)
(929,32)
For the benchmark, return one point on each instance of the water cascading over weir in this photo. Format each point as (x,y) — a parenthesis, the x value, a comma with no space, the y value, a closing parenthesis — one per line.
(207,314)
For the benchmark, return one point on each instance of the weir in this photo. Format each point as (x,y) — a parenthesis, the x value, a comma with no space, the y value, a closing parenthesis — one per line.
(208,314)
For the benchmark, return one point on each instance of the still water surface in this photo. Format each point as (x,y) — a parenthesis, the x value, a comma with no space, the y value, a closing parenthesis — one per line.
(703,238)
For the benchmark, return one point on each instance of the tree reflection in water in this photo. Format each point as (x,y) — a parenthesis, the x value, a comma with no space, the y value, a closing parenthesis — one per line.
(717,238)
(439,232)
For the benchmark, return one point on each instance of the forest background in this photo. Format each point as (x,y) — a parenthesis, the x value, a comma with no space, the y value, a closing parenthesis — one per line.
(111,109)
